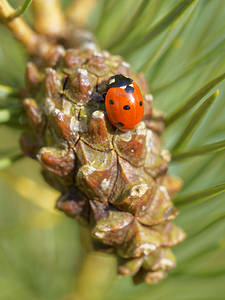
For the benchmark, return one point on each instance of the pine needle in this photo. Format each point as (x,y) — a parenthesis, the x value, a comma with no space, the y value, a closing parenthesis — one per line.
(106,8)
(201,196)
(40,195)
(193,100)
(174,31)
(161,25)
(8,161)
(9,114)
(19,11)
(203,150)
(132,23)
(5,115)
(21,30)
(194,121)
(205,58)
(7,92)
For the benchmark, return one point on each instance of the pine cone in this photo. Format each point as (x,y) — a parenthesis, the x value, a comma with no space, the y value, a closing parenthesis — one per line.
(116,182)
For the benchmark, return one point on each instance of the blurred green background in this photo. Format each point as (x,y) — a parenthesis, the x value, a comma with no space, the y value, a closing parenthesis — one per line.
(40,250)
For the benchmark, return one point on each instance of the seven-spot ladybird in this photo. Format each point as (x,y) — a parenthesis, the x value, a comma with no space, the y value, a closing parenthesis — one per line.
(124,102)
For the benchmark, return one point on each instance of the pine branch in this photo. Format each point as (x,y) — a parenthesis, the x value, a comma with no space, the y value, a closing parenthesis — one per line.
(48,17)
(21,31)
(18,27)
(19,11)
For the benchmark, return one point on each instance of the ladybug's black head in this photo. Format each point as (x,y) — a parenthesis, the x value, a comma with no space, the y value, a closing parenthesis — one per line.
(118,81)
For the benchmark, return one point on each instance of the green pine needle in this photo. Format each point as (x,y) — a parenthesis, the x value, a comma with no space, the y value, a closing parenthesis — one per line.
(105,9)
(132,23)
(203,150)
(160,26)
(5,115)
(7,92)
(8,161)
(10,115)
(194,121)
(173,32)
(205,58)
(193,100)
(19,11)
(198,197)
(9,151)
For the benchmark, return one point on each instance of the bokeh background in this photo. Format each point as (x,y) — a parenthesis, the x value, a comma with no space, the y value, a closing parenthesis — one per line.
(41,252)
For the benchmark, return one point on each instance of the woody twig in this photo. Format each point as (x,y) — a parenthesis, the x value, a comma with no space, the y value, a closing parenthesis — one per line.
(18,26)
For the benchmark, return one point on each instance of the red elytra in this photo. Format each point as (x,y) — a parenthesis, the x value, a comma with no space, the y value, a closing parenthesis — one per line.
(124,103)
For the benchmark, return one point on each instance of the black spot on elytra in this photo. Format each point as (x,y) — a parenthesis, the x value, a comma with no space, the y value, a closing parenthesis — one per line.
(141,103)
(126,107)
(119,124)
(129,89)
(111,101)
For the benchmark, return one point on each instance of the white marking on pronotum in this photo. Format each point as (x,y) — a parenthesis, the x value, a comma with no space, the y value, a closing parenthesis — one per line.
(112,80)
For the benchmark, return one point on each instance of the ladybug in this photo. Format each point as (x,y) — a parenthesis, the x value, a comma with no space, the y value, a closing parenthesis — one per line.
(124,102)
